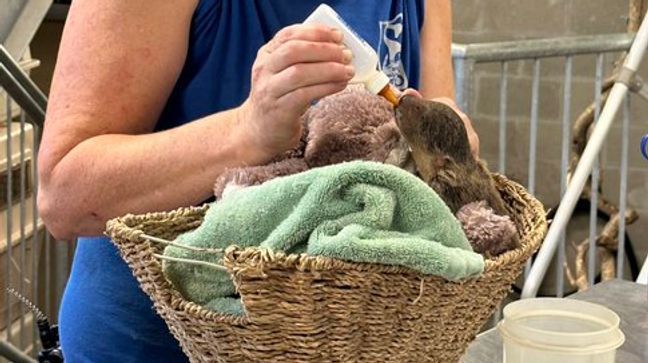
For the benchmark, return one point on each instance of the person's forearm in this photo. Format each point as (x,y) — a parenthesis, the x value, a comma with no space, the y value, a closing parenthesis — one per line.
(436,59)
(437,76)
(111,175)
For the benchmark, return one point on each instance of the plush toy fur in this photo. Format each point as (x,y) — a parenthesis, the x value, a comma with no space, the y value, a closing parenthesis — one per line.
(489,234)
(350,125)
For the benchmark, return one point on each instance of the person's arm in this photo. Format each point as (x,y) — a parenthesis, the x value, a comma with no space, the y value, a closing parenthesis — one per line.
(437,81)
(436,59)
(118,62)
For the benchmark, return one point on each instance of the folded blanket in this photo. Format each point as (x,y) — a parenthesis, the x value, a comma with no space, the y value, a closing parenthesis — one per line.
(357,211)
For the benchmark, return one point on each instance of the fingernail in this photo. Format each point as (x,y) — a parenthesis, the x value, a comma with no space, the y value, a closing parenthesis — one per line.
(350,72)
(347,56)
(337,35)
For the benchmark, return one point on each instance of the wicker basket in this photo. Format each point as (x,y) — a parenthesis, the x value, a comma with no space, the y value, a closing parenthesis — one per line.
(310,309)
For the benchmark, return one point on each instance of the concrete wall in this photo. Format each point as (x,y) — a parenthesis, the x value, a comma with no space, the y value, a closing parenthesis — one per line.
(496,20)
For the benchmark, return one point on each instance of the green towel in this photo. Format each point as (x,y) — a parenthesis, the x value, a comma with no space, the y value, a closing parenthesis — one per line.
(357,211)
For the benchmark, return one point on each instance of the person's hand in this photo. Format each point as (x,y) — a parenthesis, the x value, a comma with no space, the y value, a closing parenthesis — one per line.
(301,64)
(473,138)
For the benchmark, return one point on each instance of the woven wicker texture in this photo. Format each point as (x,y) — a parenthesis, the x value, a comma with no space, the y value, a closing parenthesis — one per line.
(310,309)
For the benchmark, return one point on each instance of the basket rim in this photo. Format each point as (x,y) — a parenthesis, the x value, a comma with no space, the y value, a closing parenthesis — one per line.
(256,260)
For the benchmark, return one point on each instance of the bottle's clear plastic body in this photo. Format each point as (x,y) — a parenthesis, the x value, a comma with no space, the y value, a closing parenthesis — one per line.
(364,59)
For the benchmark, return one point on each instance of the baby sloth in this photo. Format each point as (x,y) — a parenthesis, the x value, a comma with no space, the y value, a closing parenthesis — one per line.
(441,152)
(439,146)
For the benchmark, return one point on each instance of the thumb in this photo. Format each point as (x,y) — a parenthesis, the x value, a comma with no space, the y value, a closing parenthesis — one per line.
(412,92)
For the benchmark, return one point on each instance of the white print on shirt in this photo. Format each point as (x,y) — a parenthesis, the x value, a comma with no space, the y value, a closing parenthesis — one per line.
(389,50)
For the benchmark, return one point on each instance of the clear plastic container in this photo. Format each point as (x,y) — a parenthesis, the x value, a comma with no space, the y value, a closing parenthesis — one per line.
(365,59)
(559,331)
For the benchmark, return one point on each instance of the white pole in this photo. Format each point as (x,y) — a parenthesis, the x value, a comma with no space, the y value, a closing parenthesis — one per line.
(643,274)
(584,168)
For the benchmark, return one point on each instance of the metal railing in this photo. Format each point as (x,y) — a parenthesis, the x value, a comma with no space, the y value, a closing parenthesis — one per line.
(467,61)
(466,56)
(21,89)
(33,264)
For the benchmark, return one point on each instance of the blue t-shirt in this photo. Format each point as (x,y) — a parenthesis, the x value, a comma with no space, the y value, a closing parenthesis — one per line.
(105,317)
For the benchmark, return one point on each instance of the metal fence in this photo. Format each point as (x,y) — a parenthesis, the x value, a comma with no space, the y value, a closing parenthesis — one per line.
(534,54)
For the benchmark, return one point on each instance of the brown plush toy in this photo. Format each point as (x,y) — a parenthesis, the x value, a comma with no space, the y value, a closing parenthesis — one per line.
(353,125)
(489,234)
(350,125)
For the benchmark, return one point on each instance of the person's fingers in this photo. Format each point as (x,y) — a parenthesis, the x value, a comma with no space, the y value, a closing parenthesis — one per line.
(412,92)
(448,101)
(308,74)
(300,64)
(474,145)
(302,51)
(313,33)
(302,97)
(473,138)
